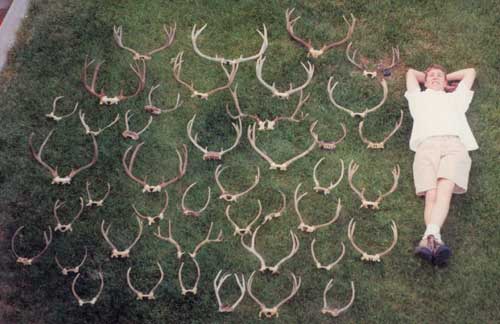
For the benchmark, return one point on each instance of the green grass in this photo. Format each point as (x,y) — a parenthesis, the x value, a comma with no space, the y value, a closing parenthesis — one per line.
(47,62)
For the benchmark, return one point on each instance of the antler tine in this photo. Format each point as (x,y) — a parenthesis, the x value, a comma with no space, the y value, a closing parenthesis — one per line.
(315,178)
(352,58)
(12,244)
(239,130)
(347,36)
(38,155)
(169,37)
(230,78)
(92,301)
(395,173)
(353,167)
(57,205)
(118,36)
(296,200)
(147,125)
(177,71)
(296,285)
(289,27)
(170,239)
(293,117)
(218,284)
(207,240)
(331,265)
(155,110)
(252,249)
(242,286)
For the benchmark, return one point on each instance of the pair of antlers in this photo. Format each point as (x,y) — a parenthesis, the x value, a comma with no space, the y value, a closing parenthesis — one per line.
(151,294)
(69,226)
(226,195)
(152,219)
(326,190)
(327,145)
(97,203)
(371,257)
(385,70)
(247,229)
(115,253)
(25,260)
(66,270)
(52,115)
(379,145)
(154,110)
(93,300)
(186,211)
(87,129)
(133,135)
(218,281)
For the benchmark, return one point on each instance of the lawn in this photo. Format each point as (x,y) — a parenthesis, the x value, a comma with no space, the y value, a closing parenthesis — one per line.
(47,62)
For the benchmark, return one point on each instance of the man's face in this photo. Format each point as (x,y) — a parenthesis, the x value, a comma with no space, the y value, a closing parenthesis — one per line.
(435,80)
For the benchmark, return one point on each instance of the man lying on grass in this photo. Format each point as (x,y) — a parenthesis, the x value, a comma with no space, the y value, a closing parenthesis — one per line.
(441,139)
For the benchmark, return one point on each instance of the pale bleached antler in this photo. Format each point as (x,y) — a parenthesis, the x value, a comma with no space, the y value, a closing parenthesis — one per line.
(247,229)
(371,257)
(327,145)
(128,134)
(92,301)
(140,295)
(66,270)
(97,203)
(52,115)
(170,239)
(25,260)
(230,197)
(331,265)
(115,253)
(88,131)
(152,219)
(379,145)
(380,68)
(226,308)
(65,227)
(154,110)
(277,213)
(194,289)
(333,311)
(186,211)
(206,241)
(326,190)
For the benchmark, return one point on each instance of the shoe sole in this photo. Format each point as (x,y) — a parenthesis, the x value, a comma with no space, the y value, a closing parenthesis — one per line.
(441,256)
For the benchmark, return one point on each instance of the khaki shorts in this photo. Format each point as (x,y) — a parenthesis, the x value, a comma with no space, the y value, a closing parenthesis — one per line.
(441,157)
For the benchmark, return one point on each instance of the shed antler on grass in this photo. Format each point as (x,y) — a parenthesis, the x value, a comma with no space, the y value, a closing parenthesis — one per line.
(97,203)
(25,260)
(326,190)
(128,134)
(88,131)
(279,212)
(194,289)
(371,257)
(247,229)
(206,241)
(331,265)
(170,239)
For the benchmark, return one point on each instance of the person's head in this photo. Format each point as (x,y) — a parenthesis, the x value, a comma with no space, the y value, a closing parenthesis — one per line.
(435,77)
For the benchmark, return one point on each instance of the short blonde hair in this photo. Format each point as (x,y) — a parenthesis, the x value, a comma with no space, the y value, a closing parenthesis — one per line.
(435,67)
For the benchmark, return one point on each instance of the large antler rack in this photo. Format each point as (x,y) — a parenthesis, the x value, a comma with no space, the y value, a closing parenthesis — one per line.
(65,227)
(269,312)
(56,179)
(311,51)
(353,167)
(311,228)
(273,165)
(326,190)
(247,229)
(186,211)
(29,261)
(52,115)
(196,33)
(379,145)
(226,308)
(152,219)
(93,300)
(371,257)
(169,40)
(283,94)
(230,197)
(154,110)
(183,161)
(380,68)
(140,295)
(105,99)
(333,311)
(353,114)
(115,253)
(195,93)
(213,155)
(327,145)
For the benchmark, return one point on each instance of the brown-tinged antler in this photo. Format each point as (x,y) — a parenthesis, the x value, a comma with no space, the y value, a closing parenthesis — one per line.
(52,115)
(311,228)
(25,260)
(273,311)
(277,213)
(285,94)
(334,312)
(56,179)
(213,155)
(66,270)
(196,33)
(331,265)
(147,187)
(152,219)
(169,39)
(273,165)
(371,257)
(230,197)
(124,253)
(225,308)
(92,301)
(65,227)
(195,93)
(379,145)
(311,51)
(248,229)
(88,131)
(170,239)
(186,211)
(194,289)
(353,167)
(140,295)
(263,124)
(154,110)
(96,203)
(380,68)
(326,190)
(263,267)
(128,134)
(103,98)
(327,145)
(331,87)
(206,241)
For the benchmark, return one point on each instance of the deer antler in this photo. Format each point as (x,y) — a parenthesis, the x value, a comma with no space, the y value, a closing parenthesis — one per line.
(331,265)
(170,239)
(56,179)
(330,89)
(206,241)
(385,70)
(277,213)
(65,227)
(169,39)
(326,190)
(371,257)
(273,165)
(128,134)
(92,301)
(327,145)
(196,33)
(195,93)
(246,230)
(233,196)
(273,311)
(124,253)
(100,130)
(52,115)
(213,155)
(311,52)
(311,228)
(286,94)
(147,187)
(225,308)
(193,290)
(336,311)
(186,211)
(152,219)
(25,260)
(96,203)
(155,111)
(66,270)
(379,145)
(353,167)
(141,295)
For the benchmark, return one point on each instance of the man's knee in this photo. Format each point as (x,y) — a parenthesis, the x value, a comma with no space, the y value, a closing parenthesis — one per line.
(431,195)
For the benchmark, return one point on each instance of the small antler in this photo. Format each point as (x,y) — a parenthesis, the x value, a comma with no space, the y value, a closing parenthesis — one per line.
(248,229)
(277,213)
(128,134)
(230,197)
(225,308)
(186,211)
(326,190)
(25,260)
(154,110)
(92,301)
(66,270)
(124,253)
(331,265)
(380,68)
(327,145)
(96,203)
(194,289)
(152,219)
(206,241)
(52,115)
(170,239)
(336,311)
(379,145)
(100,130)
(371,257)
(141,295)
(65,227)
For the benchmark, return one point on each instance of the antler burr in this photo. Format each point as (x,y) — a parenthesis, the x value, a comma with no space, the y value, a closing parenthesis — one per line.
(371,257)
(25,260)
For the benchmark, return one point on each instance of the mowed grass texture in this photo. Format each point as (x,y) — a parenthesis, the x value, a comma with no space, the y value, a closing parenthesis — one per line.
(47,62)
